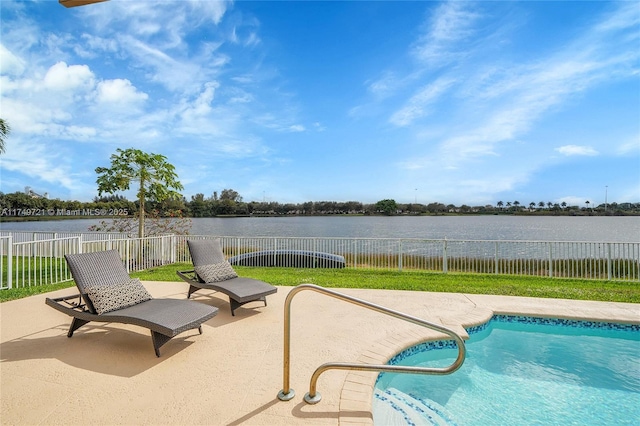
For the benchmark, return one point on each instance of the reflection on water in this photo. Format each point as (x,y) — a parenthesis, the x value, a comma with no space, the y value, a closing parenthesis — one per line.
(521,228)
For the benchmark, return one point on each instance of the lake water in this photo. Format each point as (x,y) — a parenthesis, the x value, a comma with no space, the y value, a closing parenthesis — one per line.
(520,228)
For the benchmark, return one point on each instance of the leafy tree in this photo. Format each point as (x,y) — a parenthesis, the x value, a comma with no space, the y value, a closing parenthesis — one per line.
(226,203)
(387,206)
(230,194)
(436,208)
(157,180)
(307,207)
(5,129)
(198,205)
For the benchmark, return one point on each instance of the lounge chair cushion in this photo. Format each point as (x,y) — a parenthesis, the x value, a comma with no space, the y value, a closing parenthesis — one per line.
(216,272)
(108,298)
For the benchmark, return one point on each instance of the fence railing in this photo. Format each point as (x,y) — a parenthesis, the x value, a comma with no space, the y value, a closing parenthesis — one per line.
(23,236)
(41,261)
(559,259)
(6,261)
(38,261)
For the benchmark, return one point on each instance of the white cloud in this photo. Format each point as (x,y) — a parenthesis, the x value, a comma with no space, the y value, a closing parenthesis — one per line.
(572,150)
(632,146)
(384,86)
(38,162)
(10,63)
(626,16)
(119,91)
(157,39)
(451,23)
(92,46)
(176,73)
(505,110)
(252,40)
(63,77)
(198,113)
(417,106)
(297,128)
(81,132)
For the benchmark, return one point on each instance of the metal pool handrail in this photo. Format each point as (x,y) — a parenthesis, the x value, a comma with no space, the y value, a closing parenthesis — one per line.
(313,397)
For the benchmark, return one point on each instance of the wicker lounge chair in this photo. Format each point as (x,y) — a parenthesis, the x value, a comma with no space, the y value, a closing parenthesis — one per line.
(212,271)
(108,294)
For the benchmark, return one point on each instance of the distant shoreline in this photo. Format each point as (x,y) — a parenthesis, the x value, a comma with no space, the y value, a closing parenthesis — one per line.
(520,213)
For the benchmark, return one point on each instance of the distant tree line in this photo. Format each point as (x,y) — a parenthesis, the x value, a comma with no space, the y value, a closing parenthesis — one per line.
(229,203)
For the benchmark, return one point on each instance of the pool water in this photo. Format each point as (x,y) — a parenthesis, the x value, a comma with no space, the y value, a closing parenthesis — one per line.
(520,371)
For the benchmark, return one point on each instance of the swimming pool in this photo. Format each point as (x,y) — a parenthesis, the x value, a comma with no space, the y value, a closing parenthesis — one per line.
(520,371)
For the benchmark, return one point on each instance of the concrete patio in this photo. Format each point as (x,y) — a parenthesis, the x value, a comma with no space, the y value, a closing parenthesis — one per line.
(231,374)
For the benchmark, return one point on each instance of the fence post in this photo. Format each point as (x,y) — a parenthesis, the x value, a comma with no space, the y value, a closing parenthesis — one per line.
(127,249)
(79,244)
(355,253)
(496,260)
(10,262)
(609,261)
(174,248)
(445,266)
(400,255)
(275,247)
(550,260)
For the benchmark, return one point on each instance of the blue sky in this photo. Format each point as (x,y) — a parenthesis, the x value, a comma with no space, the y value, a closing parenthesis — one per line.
(292,101)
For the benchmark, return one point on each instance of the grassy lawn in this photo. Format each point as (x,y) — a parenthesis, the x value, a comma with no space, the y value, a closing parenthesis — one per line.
(611,291)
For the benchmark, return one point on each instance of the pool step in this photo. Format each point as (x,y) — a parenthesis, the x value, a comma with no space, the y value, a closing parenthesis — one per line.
(394,408)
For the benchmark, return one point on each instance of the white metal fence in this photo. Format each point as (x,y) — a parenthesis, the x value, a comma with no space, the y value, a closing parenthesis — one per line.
(34,258)
(41,261)
(6,261)
(24,236)
(588,260)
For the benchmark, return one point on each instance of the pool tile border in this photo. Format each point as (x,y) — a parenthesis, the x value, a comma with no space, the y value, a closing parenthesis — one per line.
(518,319)
(358,389)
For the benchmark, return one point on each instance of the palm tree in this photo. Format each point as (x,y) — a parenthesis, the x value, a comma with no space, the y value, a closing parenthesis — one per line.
(516,204)
(500,204)
(587,203)
(532,205)
(541,204)
(5,129)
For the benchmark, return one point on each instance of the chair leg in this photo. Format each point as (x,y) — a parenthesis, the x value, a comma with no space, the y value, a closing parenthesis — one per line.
(235,304)
(192,289)
(76,323)
(158,339)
